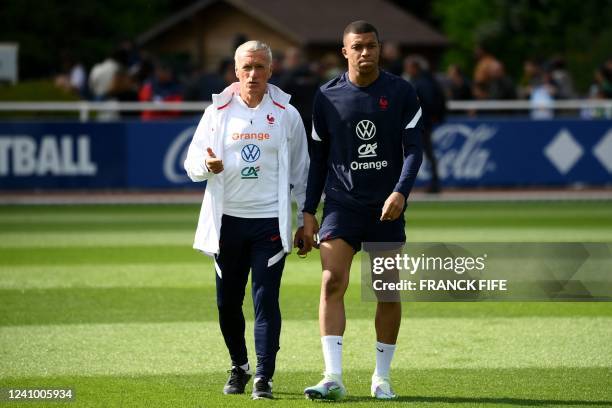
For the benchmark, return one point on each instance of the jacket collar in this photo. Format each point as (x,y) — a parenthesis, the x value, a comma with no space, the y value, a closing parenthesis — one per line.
(278,96)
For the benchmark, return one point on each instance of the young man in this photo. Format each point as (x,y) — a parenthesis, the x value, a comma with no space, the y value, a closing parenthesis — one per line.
(366,154)
(251,148)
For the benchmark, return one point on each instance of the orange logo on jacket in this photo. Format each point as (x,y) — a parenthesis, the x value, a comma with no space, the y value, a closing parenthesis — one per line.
(250,136)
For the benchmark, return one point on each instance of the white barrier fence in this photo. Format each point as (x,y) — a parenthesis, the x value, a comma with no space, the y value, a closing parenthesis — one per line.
(85,108)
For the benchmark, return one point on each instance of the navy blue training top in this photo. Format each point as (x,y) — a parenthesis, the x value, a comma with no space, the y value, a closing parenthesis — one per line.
(366,142)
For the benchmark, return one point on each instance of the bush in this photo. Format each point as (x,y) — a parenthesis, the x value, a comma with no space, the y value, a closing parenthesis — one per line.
(35,91)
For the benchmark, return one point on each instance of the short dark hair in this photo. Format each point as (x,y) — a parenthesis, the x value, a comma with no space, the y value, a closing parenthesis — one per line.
(360,27)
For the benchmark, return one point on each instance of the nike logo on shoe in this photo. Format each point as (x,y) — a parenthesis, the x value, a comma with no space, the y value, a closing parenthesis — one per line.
(381,350)
(339,343)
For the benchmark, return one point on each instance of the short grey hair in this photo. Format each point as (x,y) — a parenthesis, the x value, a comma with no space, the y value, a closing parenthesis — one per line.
(253,46)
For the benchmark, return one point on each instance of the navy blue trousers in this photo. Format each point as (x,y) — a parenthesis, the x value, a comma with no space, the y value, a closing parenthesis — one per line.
(250,244)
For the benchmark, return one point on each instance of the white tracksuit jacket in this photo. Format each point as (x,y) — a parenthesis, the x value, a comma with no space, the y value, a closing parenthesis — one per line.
(292,166)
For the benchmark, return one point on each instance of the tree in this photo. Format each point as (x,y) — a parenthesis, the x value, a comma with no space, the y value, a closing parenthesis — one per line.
(516,30)
(89,30)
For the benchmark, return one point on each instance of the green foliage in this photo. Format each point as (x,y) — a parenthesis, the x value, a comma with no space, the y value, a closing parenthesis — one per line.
(519,29)
(41,90)
(35,91)
(87,29)
(465,23)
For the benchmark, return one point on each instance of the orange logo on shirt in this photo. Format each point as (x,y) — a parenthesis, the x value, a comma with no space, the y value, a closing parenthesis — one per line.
(250,136)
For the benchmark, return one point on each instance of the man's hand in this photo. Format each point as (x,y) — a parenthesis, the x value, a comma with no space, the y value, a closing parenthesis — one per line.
(214,165)
(394,205)
(311,227)
(298,242)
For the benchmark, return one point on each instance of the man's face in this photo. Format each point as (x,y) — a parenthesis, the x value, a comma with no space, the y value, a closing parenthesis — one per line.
(253,70)
(411,69)
(362,52)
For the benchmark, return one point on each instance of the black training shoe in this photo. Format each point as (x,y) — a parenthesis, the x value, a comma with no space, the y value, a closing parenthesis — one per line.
(236,382)
(262,388)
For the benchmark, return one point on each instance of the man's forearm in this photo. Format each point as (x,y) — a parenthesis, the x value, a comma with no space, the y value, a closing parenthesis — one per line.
(413,157)
(316,182)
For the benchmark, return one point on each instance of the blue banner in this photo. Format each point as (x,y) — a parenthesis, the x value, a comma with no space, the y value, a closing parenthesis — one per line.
(150,155)
(522,153)
(57,155)
(156,152)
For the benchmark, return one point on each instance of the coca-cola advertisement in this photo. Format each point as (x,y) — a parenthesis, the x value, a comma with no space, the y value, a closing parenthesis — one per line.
(522,153)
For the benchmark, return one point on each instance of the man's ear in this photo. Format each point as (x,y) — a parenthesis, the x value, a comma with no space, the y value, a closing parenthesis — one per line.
(344,52)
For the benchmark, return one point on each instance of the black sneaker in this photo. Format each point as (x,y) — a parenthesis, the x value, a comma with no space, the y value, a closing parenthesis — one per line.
(236,382)
(262,388)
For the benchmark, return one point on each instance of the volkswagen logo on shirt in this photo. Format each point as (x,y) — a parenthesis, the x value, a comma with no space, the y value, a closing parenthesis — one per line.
(365,129)
(250,153)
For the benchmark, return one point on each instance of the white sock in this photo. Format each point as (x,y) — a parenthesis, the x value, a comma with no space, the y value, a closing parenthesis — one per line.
(246,367)
(332,354)
(384,355)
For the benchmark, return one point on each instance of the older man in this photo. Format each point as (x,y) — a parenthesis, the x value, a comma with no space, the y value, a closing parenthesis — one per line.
(251,147)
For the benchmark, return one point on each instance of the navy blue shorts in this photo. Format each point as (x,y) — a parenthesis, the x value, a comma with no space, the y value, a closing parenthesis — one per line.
(356,227)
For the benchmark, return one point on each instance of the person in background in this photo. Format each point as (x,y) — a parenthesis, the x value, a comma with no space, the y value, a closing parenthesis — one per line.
(102,74)
(603,78)
(330,67)
(460,87)
(484,71)
(73,77)
(538,85)
(433,102)
(501,86)
(277,69)
(205,84)
(601,88)
(124,88)
(301,82)
(391,58)
(163,87)
(562,78)
(531,78)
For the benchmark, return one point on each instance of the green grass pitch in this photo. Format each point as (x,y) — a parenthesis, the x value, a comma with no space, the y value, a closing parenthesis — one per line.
(113,302)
